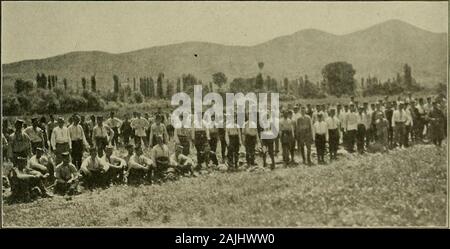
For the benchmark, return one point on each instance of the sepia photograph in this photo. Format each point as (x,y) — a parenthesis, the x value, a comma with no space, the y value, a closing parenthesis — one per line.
(195,114)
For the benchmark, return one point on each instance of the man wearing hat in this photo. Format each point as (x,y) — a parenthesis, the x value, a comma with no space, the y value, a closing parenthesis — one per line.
(160,155)
(66,175)
(139,167)
(102,134)
(19,144)
(94,170)
(304,135)
(114,123)
(320,134)
(139,125)
(116,166)
(182,163)
(25,181)
(41,163)
(158,129)
(60,140)
(361,129)
(351,127)
(35,134)
(333,125)
(287,135)
(78,141)
(399,119)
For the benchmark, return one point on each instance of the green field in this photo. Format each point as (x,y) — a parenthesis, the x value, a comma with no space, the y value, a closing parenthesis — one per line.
(401,188)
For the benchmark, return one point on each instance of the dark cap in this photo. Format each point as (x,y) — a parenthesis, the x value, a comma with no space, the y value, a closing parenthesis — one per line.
(19,121)
(39,149)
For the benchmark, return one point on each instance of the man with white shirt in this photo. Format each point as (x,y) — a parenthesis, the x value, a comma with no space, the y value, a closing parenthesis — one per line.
(78,141)
(94,170)
(139,168)
(351,127)
(333,124)
(408,124)
(399,119)
(102,134)
(320,134)
(60,140)
(41,163)
(116,166)
(200,136)
(114,123)
(139,124)
(35,134)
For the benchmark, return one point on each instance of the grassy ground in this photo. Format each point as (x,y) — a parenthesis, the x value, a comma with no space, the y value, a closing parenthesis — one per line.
(401,188)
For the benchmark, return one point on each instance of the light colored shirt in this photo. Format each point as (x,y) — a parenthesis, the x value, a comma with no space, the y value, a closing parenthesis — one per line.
(321,128)
(77,133)
(156,130)
(139,162)
(102,131)
(95,164)
(60,135)
(333,123)
(139,125)
(399,116)
(351,121)
(34,135)
(113,122)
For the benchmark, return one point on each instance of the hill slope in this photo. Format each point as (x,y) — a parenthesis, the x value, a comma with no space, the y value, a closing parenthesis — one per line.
(379,50)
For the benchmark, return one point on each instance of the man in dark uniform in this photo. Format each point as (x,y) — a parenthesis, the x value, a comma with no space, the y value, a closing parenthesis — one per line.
(200,136)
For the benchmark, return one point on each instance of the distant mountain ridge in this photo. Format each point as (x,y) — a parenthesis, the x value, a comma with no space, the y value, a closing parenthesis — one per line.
(380,50)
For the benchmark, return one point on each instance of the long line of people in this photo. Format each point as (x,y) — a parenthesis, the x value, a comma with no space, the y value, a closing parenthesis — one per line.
(53,152)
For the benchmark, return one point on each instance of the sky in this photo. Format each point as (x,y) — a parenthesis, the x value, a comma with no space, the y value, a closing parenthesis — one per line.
(34,30)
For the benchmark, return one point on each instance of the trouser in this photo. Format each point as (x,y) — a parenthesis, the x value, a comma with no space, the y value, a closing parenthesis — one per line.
(95,179)
(213,148)
(418,129)
(17,154)
(250,144)
(345,139)
(138,176)
(34,146)
(360,136)
(162,164)
(115,139)
(286,141)
(268,143)
(60,148)
(138,141)
(201,146)
(101,143)
(351,139)
(333,141)
(277,144)
(77,153)
(223,145)
(390,135)
(147,138)
(408,132)
(320,146)
(63,188)
(115,175)
(399,133)
(233,151)
(184,141)
(126,138)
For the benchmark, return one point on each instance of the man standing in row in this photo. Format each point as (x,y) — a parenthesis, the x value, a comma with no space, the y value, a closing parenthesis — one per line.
(36,135)
(19,144)
(304,135)
(60,140)
(334,126)
(114,123)
(78,141)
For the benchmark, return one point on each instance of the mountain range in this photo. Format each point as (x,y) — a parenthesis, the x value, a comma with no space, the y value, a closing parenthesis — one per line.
(380,50)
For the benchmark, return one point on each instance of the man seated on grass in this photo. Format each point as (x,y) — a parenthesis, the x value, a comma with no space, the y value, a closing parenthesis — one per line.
(66,177)
(182,164)
(26,184)
(139,168)
(160,155)
(94,170)
(116,166)
(41,163)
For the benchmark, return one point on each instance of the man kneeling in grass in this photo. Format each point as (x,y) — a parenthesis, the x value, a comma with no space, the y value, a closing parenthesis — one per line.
(41,163)
(139,168)
(94,170)
(25,182)
(116,166)
(66,177)
(182,163)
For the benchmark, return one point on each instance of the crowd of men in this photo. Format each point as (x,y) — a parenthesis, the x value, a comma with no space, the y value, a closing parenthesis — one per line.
(52,151)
